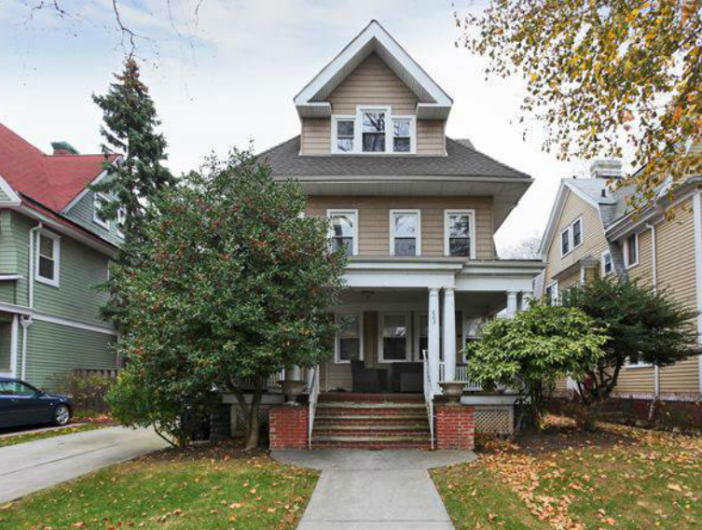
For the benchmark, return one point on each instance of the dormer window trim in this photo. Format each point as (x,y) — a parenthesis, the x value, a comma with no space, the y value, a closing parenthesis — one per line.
(356,143)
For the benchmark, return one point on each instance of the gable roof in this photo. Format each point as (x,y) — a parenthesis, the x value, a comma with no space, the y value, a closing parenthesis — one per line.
(52,180)
(434,103)
(460,161)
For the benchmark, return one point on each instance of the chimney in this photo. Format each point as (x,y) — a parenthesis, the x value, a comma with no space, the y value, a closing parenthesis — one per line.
(606,168)
(64,148)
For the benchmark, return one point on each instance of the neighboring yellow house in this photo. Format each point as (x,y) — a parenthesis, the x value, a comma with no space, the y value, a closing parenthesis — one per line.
(592,232)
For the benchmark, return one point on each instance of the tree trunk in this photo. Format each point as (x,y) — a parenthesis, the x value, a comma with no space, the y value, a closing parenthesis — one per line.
(253,422)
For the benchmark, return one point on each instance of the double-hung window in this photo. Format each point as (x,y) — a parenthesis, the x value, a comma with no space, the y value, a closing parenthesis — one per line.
(99,203)
(343,230)
(552,294)
(349,344)
(572,236)
(459,233)
(373,130)
(631,251)
(394,337)
(607,264)
(405,237)
(47,260)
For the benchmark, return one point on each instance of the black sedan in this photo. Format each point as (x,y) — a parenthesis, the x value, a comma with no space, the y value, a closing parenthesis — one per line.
(23,404)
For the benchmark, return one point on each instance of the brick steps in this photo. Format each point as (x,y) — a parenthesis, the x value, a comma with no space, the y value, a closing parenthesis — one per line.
(371,421)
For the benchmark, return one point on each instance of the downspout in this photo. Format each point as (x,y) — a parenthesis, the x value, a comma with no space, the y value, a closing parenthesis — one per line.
(654,281)
(27,321)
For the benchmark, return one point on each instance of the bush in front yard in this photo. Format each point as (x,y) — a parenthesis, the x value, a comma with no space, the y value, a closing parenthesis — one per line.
(534,349)
(88,391)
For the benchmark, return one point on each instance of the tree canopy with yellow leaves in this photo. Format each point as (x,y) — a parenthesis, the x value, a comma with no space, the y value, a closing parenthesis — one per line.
(607,78)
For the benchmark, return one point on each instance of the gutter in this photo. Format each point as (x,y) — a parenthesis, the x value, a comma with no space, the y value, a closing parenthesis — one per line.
(654,281)
(26,321)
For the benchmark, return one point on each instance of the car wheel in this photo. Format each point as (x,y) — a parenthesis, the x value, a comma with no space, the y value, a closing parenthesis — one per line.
(61,415)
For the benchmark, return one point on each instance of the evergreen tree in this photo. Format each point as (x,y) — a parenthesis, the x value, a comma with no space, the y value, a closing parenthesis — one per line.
(129,129)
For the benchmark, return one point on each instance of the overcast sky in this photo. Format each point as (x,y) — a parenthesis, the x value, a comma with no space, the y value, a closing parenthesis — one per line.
(228,75)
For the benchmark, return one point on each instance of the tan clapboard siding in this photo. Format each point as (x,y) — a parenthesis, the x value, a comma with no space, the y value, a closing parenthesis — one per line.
(316,136)
(594,242)
(676,274)
(561,385)
(374,220)
(431,137)
(372,83)
(569,281)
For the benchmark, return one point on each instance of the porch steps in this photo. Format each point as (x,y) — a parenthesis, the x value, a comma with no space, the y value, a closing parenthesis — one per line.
(371,421)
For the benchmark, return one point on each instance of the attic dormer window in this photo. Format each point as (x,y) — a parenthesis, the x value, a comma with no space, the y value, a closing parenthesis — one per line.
(373,130)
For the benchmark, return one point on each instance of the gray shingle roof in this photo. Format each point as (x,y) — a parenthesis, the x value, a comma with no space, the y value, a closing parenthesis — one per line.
(285,161)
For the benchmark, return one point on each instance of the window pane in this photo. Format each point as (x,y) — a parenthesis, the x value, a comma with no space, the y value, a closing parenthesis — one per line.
(46,246)
(473,326)
(342,225)
(344,144)
(565,246)
(631,250)
(576,233)
(394,348)
(373,122)
(343,242)
(406,225)
(349,349)
(405,246)
(402,145)
(459,225)
(344,129)
(373,143)
(459,246)
(46,268)
(394,326)
(402,128)
(348,326)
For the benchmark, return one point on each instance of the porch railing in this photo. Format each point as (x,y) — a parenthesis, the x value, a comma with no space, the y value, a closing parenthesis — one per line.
(461,375)
(428,396)
(270,384)
(313,398)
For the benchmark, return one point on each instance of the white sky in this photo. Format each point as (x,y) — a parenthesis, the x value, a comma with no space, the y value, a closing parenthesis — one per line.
(232,76)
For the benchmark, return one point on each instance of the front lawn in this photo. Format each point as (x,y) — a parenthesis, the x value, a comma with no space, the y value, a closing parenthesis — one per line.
(617,478)
(191,489)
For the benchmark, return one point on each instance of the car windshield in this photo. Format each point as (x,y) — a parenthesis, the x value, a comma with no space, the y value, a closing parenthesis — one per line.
(16,388)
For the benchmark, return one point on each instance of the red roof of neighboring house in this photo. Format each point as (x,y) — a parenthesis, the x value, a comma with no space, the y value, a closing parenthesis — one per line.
(52,180)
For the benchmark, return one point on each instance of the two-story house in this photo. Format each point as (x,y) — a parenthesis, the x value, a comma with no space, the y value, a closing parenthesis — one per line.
(54,252)
(592,231)
(416,212)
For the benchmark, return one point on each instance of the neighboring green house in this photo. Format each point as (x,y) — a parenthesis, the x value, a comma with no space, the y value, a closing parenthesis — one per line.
(50,319)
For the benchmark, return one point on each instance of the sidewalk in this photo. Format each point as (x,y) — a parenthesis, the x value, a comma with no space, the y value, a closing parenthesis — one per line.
(32,466)
(373,490)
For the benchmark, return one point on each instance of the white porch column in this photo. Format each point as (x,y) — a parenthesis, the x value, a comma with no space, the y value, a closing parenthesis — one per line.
(449,334)
(511,304)
(434,327)
(527,297)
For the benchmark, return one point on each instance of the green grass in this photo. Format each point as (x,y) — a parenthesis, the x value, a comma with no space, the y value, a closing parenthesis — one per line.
(618,478)
(192,489)
(34,436)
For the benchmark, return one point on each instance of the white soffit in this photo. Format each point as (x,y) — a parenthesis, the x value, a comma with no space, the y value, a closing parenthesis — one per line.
(434,102)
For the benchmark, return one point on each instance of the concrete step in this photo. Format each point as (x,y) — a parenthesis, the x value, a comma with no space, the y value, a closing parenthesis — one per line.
(362,416)
(375,422)
(375,442)
(371,429)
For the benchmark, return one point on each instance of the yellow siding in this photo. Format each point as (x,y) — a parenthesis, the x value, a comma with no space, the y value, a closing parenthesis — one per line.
(676,274)
(643,272)
(372,83)
(594,242)
(374,220)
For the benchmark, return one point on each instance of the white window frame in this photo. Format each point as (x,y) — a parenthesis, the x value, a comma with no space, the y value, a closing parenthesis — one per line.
(602,262)
(465,318)
(389,131)
(337,350)
(626,251)
(555,299)
(417,332)
(97,197)
(447,238)
(56,239)
(408,341)
(628,364)
(569,231)
(333,212)
(418,213)
(121,216)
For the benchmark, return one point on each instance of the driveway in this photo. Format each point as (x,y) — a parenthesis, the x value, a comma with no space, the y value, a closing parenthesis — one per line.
(374,490)
(29,467)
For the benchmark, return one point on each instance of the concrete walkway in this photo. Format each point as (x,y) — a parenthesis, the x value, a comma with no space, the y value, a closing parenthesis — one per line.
(374,490)
(32,466)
